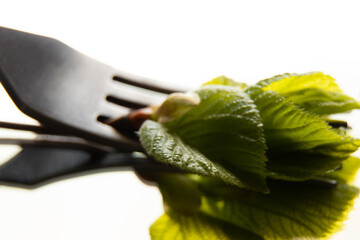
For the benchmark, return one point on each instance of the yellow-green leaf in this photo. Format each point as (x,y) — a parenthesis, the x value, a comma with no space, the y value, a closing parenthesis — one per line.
(174,226)
(222,80)
(300,144)
(288,128)
(314,91)
(180,193)
(292,210)
(347,172)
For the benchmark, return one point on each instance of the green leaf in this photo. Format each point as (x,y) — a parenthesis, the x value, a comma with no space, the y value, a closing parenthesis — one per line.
(173,225)
(300,145)
(291,210)
(289,128)
(222,80)
(299,166)
(288,82)
(168,148)
(323,102)
(347,172)
(315,92)
(226,127)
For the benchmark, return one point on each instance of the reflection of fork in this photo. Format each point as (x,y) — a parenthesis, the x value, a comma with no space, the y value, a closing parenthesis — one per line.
(71,95)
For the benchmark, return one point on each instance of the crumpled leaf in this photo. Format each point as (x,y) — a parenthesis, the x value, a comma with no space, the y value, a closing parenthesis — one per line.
(291,210)
(173,225)
(220,137)
(314,91)
(226,127)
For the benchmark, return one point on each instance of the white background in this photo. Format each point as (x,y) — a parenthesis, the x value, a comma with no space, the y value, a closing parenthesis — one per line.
(186,42)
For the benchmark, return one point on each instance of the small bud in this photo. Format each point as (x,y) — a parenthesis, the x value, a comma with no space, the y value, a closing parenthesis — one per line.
(175,105)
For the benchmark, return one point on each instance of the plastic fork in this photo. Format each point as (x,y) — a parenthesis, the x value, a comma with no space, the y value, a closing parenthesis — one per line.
(69,92)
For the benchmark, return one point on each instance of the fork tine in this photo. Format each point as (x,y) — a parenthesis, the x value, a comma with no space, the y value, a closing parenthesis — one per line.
(109,110)
(148,84)
(122,95)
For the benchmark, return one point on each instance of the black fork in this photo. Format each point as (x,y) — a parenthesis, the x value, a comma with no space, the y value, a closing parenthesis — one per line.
(71,95)
(69,92)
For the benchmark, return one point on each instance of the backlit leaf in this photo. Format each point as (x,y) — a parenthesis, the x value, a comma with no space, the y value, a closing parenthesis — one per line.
(314,91)
(291,210)
(347,172)
(174,226)
(288,128)
(300,144)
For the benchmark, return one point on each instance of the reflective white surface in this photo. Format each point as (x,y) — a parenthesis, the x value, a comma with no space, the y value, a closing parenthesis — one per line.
(188,43)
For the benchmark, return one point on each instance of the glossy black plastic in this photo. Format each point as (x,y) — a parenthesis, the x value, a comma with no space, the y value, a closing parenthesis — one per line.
(68,91)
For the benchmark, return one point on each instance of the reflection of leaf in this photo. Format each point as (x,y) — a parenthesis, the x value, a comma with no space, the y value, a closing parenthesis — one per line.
(173,225)
(180,193)
(315,92)
(291,210)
